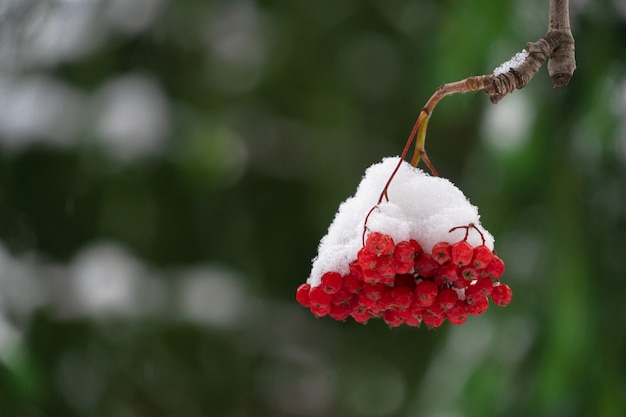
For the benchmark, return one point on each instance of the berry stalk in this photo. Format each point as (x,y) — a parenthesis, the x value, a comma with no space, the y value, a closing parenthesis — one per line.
(419,131)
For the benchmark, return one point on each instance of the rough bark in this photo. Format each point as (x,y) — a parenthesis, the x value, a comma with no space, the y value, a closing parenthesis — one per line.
(557,46)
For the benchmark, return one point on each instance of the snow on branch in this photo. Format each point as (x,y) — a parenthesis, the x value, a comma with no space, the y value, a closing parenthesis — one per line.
(516,61)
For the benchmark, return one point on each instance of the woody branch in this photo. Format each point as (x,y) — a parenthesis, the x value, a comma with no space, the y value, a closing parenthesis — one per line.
(557,47)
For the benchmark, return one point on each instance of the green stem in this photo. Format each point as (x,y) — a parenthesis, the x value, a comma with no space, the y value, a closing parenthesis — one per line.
(420,142)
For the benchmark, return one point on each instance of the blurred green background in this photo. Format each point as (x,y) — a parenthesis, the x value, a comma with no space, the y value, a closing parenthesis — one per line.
(167,169)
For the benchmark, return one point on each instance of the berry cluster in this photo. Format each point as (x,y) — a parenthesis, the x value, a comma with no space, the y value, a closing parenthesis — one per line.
(402,284)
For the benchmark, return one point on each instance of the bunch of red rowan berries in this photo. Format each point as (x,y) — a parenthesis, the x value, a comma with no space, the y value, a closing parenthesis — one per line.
(403,284)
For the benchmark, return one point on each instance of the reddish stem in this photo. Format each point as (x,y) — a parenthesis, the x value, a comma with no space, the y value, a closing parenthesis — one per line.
(467,229)
(384,195)
(365,224)
(463,86)
(418,122)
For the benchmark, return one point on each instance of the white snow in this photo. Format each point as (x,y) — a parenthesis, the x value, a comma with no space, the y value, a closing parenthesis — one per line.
(420,207)
(515,62)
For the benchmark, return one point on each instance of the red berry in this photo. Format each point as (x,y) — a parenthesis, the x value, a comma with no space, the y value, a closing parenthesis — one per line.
(379,243)
(416,247)
(413,321)
(318,296)
(501,295)
(416,309)
(425,266)
(404,267)
(447,274)
(404,251)
(402,297)
(367,259)
(482,257)
(458,313)
(359,313)
(377,309)
(473,293)
(356,307)
(373,292)
(405,314)
(425,293)
(393,318)
(433,319)
(361,317)
(433,322)
(462,253)
(320,310)
(441,252)
(355,269)
(386,269)
(371,276)
(495,268)
(342,296)
(352,283)
(446,298)
(302,295)
(469,274)
(339,312)
(461,283)
(435,310)
(366,301)
(404,255)
(484,286)
(331,282)
(386,300)
(403,285)
(477,306)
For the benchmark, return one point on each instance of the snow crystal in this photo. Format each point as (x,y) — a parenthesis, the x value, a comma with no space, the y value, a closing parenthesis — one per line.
(515,62)
(420,207)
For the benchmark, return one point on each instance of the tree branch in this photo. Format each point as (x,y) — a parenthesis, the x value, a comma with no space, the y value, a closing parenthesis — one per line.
(562,63)
(557,46)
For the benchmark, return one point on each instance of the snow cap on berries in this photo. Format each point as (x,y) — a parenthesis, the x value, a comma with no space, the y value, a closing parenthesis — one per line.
(420,207)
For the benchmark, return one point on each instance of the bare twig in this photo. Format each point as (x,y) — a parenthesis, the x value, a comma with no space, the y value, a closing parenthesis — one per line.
(557,46)
(562,63)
